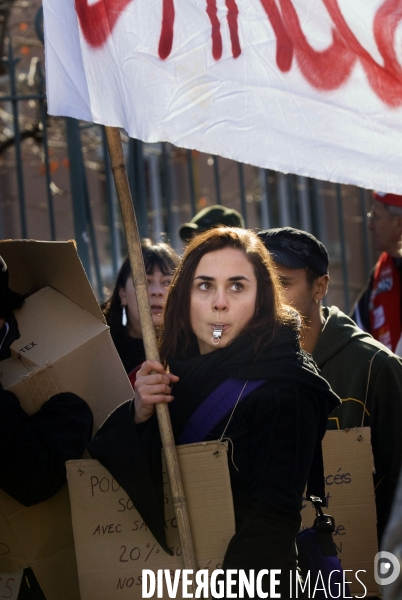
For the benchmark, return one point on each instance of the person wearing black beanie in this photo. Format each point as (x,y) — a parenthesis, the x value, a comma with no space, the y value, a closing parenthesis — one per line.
(366,375)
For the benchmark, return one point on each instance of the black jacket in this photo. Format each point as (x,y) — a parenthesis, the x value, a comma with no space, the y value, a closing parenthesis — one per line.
(274,433)
(34,449)
(131,351)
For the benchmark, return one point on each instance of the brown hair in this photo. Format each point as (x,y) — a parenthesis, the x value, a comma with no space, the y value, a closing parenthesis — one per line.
(270,312)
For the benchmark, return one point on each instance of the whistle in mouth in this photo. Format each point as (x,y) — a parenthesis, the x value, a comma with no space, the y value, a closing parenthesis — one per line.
(217,334)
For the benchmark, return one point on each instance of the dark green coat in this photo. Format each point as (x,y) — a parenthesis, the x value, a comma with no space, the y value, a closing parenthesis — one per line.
(343,353)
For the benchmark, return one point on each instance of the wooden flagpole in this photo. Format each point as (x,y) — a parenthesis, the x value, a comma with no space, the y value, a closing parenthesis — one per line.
(151,348)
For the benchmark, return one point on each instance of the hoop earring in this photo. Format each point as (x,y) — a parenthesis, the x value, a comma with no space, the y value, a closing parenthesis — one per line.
(123,316)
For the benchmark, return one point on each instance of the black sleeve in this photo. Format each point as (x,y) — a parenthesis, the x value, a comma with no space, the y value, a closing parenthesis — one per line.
(284,426)
(361,313)
(386,439)
(132,454)
(33,449)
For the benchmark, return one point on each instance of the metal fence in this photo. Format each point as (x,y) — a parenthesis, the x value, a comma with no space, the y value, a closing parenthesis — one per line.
(167,190)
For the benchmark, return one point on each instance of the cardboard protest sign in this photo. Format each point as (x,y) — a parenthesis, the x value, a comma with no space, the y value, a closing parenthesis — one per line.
(10,585)
(348,467)
(11,554)
(33,265)
(112,541)
(63,348)
(42,538)
(64,345)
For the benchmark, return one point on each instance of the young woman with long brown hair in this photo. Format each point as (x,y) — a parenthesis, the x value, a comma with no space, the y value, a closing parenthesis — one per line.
(226,283)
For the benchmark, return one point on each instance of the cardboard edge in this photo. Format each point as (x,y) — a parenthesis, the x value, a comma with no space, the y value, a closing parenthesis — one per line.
(46,273)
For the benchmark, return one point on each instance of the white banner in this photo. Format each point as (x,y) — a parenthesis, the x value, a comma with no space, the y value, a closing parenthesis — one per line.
(312,87)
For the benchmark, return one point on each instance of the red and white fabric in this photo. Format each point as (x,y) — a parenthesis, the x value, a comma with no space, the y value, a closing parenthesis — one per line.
(312,87)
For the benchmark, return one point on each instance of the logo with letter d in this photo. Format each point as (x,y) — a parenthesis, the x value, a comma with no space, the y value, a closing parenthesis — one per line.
(386,568)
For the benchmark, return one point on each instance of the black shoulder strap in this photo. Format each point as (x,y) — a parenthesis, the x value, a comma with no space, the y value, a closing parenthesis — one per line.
(316,481)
